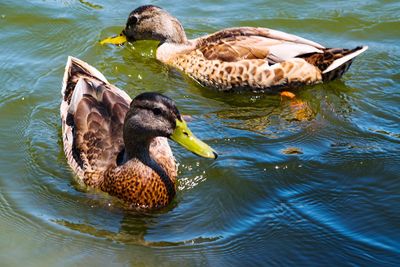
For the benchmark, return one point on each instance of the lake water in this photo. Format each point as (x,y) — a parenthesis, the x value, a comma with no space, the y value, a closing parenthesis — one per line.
(335,201)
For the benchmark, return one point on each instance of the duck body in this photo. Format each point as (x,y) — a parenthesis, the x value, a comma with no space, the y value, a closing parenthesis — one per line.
(258,59)
(115,144)
(230,59)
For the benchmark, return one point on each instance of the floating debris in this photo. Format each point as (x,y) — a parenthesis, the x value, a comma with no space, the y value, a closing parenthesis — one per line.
(91,5)
(288,94)
(292,151)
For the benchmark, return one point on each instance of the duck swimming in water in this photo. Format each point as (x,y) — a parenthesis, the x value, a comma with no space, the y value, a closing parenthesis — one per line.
(257,59)
(119,145)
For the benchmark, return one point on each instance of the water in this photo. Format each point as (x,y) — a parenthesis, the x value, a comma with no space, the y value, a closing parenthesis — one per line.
(335,201)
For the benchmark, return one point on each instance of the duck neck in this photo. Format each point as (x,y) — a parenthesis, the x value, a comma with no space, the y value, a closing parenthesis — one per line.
(176,38)
(138,148)
(172,32)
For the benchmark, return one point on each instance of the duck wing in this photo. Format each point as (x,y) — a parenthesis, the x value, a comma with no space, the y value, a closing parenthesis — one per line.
(235,44)
(92,113)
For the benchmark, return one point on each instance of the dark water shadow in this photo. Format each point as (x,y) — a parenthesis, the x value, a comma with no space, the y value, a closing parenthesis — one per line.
(132,228)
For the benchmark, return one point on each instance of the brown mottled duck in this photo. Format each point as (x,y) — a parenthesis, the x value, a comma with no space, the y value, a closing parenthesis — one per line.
(257,59)
(119,145)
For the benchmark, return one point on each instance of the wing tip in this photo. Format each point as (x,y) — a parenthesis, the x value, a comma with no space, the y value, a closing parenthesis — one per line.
(338,62)
(71,61)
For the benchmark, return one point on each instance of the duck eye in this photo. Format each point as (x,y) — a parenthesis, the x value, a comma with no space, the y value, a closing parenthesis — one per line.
(157,111)
(132,20)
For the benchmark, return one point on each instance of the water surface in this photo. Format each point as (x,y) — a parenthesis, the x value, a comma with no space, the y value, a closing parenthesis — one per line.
(334,200)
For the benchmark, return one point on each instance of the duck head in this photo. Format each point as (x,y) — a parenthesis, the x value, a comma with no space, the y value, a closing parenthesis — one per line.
(150,23)
(151,115)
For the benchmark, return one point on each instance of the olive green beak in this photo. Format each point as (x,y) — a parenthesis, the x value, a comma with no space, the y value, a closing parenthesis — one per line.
(116,40)
(183,136)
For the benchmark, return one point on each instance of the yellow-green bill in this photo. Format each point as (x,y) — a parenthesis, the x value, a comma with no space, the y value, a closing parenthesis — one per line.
(183,136)
(116,40)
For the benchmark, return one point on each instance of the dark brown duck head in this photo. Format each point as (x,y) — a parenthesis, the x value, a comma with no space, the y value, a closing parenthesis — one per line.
(150,23)
(152,115)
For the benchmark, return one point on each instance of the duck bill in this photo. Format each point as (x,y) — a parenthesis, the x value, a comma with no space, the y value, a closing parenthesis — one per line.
(116,40)
(183,136)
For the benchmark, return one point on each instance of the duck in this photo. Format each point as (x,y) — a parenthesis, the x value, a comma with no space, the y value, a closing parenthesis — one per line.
(240,58)
(118,145)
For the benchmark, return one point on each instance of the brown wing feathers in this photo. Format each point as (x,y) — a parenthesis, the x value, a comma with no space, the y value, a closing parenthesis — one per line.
(93,113)
(236,44)
(98,126)
(234,49)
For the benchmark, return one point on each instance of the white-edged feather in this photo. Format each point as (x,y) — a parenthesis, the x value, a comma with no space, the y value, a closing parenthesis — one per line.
(338,62)
(291,38)
(285,51)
